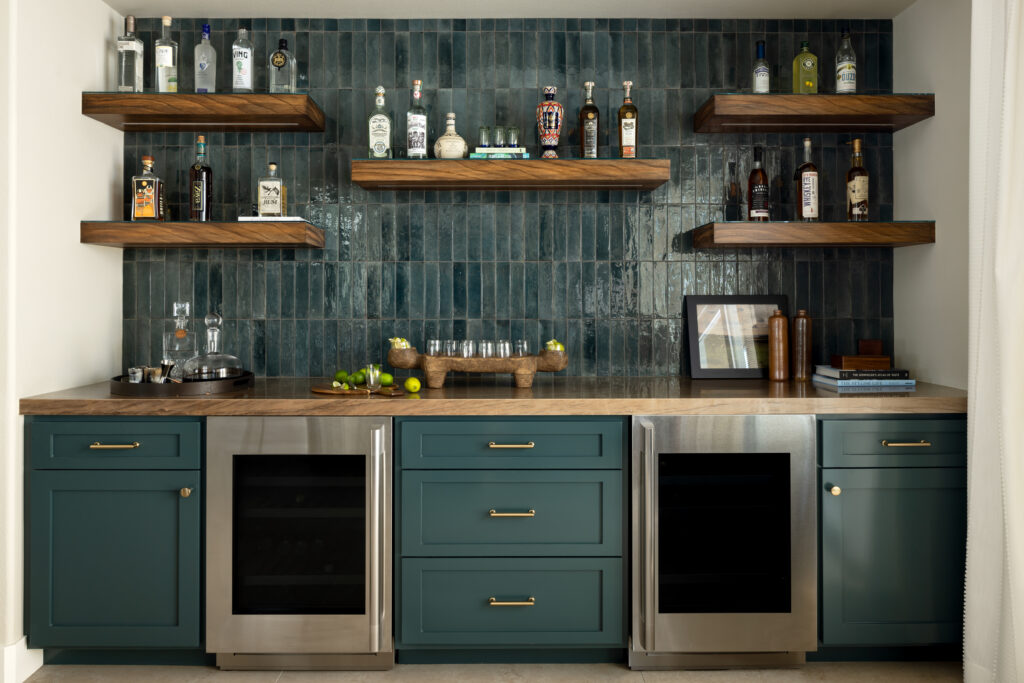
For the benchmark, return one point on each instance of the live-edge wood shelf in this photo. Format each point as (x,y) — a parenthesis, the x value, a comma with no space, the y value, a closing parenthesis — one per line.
(233,112)
(800,234)
(747,113)
(182,234)
(511,174)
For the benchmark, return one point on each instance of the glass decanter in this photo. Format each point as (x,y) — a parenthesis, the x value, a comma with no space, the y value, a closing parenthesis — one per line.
(179,343)
(213,364)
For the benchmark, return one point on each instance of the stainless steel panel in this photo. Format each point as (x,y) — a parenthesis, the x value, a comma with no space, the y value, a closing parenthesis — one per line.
(367,437)
(306,662)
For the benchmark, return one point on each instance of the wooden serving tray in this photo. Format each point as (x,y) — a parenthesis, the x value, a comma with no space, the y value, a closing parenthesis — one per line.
(328,389)
(436,368)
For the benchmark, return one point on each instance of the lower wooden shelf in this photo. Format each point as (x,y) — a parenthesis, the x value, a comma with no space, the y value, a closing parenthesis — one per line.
(184,234)
(800,234)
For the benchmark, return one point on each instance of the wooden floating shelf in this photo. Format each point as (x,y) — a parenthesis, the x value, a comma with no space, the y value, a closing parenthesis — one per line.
(895,234)
(185,234)
(233,112)
(743,113)
(512,174)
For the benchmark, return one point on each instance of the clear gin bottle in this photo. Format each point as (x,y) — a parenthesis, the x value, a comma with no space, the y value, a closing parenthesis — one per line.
(129,59)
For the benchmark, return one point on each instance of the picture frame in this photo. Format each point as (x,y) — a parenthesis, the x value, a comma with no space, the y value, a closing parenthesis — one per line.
(727,335)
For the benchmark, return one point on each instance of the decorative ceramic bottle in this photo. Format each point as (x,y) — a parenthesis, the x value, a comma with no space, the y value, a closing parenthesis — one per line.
(549,123)
(800,342)
(450,145)
(778,347)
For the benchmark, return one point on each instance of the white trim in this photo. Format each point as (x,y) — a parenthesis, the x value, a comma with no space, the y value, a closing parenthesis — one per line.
(17,662)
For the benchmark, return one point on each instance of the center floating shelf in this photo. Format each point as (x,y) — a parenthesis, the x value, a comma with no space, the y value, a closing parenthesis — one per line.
(232,112)
(747,113)
(511,174)
(800,234)
(206,234)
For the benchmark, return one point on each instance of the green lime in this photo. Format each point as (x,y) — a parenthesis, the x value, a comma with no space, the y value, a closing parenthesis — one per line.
(359,378)
(340,376)
(412,385)
(386,380)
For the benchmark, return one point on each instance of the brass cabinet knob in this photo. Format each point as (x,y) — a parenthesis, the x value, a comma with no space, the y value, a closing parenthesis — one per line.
(185,492)
(834,490)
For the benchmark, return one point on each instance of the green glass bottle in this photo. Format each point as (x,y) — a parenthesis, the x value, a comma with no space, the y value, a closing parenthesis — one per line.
(805,70)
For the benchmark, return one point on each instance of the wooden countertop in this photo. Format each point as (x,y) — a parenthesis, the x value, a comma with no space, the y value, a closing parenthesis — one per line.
(549,396)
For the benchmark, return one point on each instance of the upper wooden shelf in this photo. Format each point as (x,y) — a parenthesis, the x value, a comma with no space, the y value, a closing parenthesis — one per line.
(511,174)
(287,234)
(800,234)
(233,112)
(745,113)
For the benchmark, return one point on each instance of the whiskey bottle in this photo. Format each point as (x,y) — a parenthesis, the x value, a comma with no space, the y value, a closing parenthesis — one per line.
(627,125)
(589,121)
(807,186)
(241,62)
(760,77)
(805,70)
(206,63)
(416,125)
(283,71)
(758,207)
(200,183)
(857,186)
(380,128)
(129,59)
(147,193)
(271,193)
(846,65)
(166,61)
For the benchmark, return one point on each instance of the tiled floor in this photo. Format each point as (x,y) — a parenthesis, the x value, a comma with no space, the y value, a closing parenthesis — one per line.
(845,672)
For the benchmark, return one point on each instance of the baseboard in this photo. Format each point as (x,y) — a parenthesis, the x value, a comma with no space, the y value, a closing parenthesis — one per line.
(17,662)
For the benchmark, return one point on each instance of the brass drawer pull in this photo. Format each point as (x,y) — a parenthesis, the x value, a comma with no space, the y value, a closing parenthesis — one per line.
(185,492)
(97,446)
(494,513)
(529,602)
(528,444)
(906,444)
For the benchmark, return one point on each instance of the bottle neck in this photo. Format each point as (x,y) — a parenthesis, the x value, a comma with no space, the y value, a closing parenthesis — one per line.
(147,169)
(212,340)
(807,154)
(380,103)
(857,159)
(165,32)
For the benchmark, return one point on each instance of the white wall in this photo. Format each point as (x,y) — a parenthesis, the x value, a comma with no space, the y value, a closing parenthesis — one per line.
(931,53)
(61,314)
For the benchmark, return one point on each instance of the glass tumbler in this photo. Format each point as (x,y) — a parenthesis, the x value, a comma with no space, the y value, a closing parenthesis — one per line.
(486,348)
(451,347)
(504,348)
(485,137)
(372,377)
(499,136)
(433,347)
(512,136)
(467,348)
(522,347)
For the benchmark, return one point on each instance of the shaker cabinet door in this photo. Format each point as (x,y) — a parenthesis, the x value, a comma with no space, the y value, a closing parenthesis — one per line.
(893,544)
(114,559)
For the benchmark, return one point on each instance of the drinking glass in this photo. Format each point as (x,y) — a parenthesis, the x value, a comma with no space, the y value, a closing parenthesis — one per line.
(433,347)
(372,377)
(504,349)
(451,347)
(485,137)
(522,347)
(512,136)
(467,348)
(135,375)
(486,348)
(499,136)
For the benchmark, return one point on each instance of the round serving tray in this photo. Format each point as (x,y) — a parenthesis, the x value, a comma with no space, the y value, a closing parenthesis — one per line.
(120,386)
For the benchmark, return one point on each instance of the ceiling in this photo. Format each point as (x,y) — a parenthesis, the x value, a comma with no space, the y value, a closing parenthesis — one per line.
(437,9)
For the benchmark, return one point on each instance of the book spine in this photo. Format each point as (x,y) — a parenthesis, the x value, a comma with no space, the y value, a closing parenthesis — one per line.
(866,382)
(874,374)
(499,156)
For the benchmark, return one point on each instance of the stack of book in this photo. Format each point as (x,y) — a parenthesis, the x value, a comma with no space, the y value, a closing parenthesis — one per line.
(863,380)
(500,153)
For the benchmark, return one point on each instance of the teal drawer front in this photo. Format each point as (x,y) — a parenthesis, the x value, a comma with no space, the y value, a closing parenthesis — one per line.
(859,443)
(85,444)
(461,513)
(478,443)
(576,601)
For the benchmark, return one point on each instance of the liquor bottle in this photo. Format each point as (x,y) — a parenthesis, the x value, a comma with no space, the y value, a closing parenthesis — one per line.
(450,145)
(147,193)
(590,117)
(380,128)
(805,70)
(627,125)
(129,59)
(283,70)
(200,183)
(807,186)
(761,71)
(416,125)
(271,193)
(179,345)
(758,206)
(731,210)
(857,186)
(206,63)
(241,62)
(166,53)
(846,65)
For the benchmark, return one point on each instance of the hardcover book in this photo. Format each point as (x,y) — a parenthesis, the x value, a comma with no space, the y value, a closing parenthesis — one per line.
(832,381)
(829,371)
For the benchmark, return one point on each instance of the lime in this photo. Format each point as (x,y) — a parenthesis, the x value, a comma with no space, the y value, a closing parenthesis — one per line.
(335,384)
(340,376)
(386,380)
(359,378)
(412,385)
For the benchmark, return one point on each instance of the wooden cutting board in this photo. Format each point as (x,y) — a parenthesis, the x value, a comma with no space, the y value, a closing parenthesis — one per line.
(327,389)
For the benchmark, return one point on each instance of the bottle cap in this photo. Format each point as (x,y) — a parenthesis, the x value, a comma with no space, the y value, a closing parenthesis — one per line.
(242,33)
(380,90)
(757,153)
(588,84)
(272,165)
(129,24)
(201,139)
(282,44)
(417,83)
(807,142)
(856,142)
(146,159)
(805,44)
(801,312)
(166,21)
(550,90)
(206,30)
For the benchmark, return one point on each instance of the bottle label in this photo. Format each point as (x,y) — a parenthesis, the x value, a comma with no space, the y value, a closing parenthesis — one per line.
(628,138)
(857,195)
(417,134)
(241,61)
(145,199)
(198,196)
(759,202)
(380,100)
(164,55)
(278,59)
(132,45)
(380,135)
(270,200)
(590,138)
(809,194)
(761,79)
(846,77)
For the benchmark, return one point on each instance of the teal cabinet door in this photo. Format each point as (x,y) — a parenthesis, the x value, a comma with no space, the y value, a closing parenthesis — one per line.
(894,443)
(114,559)
(114,443)
(893,544)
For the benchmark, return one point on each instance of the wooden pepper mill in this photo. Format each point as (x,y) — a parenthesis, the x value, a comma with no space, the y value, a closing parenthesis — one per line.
(778,347)
(801,343)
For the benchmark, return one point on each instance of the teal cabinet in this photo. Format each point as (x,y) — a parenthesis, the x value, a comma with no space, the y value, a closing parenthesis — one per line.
(89,444)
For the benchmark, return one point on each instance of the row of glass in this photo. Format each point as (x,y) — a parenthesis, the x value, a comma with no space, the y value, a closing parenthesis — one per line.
(484,348)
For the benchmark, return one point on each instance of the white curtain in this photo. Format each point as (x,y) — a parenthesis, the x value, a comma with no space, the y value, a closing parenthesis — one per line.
(994,615)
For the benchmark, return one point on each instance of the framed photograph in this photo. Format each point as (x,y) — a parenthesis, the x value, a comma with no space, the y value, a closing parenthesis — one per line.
(728,335)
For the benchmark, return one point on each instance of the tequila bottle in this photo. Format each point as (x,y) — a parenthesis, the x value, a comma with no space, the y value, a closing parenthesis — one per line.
(179,342)
(805,70)
(241,62)
(147,193)
(846,65)
(206,63)
(200,182)
(590,117)
(380,128)
(416,125)
(129,59)
(283,70)
(761,75)
(807,186)
(271,193)
(166,61)
(627,124)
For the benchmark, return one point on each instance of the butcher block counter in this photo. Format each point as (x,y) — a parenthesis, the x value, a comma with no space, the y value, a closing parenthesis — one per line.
(548,396)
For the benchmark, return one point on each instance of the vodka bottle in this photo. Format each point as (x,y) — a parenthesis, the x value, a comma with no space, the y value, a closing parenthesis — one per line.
(166,59)
(283,69)
(761,71)
(206,63)
(380,128)
(416,125)
(846,65)
(129,59)
(241,62)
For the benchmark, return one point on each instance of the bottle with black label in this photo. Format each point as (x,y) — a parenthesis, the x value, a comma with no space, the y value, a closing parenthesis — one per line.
(807,187)
(627,125)
(857,186)
(589,119)
(757,191)
(282,69)
(200,183)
